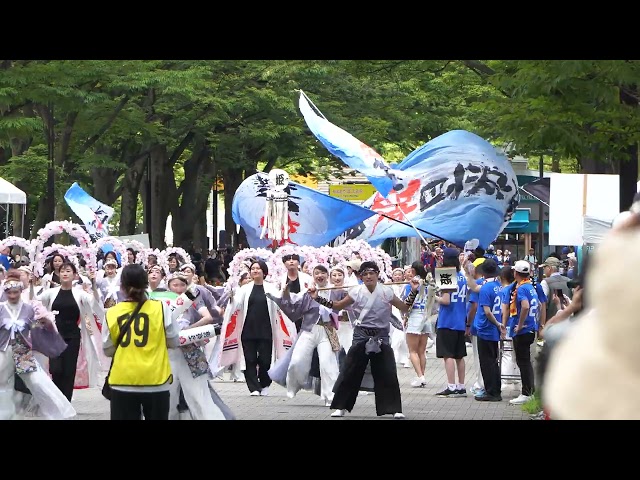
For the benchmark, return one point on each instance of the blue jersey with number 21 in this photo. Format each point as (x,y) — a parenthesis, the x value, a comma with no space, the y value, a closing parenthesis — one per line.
(527,291)
(490,296)
(454,315)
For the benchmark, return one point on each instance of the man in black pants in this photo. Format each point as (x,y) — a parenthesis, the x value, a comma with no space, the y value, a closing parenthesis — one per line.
(487,322)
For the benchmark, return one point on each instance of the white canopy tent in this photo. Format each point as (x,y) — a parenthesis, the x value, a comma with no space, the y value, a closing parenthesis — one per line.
(11,195)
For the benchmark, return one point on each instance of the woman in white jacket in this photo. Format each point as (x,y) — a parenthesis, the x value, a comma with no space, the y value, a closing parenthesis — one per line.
(74,306)
(263,333)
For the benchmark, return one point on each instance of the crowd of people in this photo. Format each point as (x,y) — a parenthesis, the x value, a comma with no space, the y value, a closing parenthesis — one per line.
(335,322)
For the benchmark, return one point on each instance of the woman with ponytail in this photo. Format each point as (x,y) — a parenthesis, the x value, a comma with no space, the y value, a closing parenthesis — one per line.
(138,334)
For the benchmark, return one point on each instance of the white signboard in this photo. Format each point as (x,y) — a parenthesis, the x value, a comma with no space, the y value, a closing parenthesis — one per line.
(573,196)
(447,278)
(143,238)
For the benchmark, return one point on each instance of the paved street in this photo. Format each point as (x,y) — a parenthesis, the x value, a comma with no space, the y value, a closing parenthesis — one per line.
(418,403)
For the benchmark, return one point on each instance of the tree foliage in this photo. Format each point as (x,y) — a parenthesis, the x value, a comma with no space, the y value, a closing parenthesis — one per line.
(164,130)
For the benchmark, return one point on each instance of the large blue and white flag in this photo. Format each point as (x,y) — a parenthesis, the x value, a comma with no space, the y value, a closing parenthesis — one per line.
(314,218)
(94,214)
(350,150)
(457,187)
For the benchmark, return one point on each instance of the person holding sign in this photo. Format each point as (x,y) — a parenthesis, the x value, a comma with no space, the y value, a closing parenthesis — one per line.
(189,362)
(450,345)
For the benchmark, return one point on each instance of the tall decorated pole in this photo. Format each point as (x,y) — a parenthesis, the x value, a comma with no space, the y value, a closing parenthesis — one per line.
(276,211)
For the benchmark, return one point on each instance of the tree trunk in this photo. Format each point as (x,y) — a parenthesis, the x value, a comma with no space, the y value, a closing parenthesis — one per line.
(161,175)
(628,178)
(200,239)
(231,180)
(129,203)
(42,217)
(195,189)
(16,216)
(555,164)
(104,185)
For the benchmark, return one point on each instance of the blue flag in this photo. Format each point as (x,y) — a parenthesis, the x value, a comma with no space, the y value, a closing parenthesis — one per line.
(350,150)
(314,218)
(94,214)
(457,187)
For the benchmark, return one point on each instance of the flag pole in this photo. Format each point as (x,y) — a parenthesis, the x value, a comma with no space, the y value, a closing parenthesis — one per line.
(312,104)
(412,225)
(419,229)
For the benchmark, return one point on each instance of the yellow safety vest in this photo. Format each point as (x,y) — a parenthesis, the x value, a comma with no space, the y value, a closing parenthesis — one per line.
(142,358)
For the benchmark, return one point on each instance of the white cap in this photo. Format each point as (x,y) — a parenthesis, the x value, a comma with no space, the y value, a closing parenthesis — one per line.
(188,265)
(522,266)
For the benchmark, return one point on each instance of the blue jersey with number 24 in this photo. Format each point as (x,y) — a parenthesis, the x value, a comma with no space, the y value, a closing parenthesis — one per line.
(454,315)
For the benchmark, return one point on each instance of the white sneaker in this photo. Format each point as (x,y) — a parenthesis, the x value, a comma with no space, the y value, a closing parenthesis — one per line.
(290,394)
(338,413)
(476,388)
(255,393)
(399,415)
(418,382)
(407,365)
(264,392)
(520,400)
(327,403)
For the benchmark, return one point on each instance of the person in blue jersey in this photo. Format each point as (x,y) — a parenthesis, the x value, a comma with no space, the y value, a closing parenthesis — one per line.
(489,331)
(474,281)
(522,326)
(450,344)
(490,254)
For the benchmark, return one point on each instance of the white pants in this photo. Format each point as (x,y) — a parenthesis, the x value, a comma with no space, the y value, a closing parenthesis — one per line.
(196,391)
(301,357)
(212,351)
(345,335)
(8,395)
(52,404)
(479,383)
(508,365)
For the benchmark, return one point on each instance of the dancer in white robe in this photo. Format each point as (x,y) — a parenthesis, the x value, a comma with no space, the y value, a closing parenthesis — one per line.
(17,320)
(189,365)
(398,337)
(319,333)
